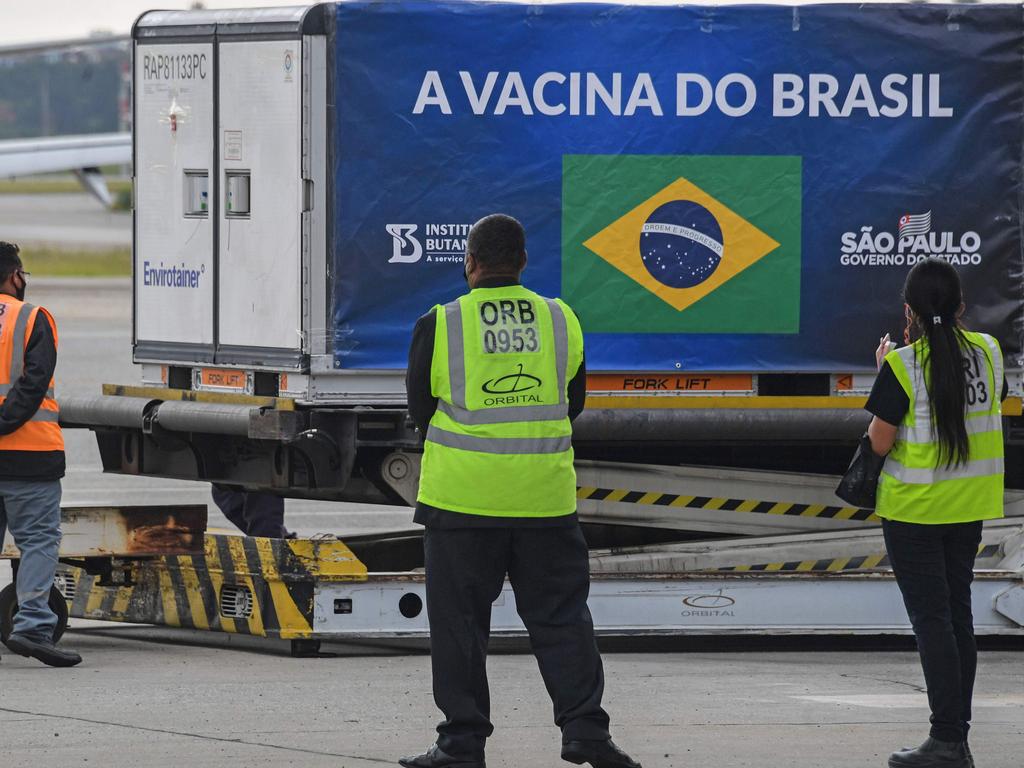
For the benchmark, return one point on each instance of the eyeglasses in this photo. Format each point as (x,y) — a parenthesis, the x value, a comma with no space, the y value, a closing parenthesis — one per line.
(23,273)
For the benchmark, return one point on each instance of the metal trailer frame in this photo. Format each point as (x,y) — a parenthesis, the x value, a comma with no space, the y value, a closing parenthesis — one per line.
(155,565)
(371,455)
(311,590)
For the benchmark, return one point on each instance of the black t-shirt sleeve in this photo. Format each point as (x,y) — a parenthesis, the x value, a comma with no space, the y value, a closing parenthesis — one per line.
(422,402)
(578,390)
(888,401)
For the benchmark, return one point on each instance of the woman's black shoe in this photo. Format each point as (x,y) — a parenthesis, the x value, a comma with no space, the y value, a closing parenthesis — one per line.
(932,754)
(435,757)
(600,754)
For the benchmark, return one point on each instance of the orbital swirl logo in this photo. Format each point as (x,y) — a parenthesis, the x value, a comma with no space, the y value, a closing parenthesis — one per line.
(681,244)
(511,384)
(709,600)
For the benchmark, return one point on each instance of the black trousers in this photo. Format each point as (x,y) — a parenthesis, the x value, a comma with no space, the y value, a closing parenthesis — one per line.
(254,514)
(934,568)
(549,572)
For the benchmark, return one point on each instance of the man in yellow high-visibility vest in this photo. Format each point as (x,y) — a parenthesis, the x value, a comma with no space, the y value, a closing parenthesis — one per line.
(494,381)
(31,460)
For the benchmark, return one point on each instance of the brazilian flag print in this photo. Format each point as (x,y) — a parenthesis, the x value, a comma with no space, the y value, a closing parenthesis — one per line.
(682,244)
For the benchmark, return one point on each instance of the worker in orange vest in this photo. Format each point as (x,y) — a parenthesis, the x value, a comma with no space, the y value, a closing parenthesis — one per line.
(31,460)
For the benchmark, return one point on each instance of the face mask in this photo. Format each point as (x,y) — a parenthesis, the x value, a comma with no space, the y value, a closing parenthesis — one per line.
(19,293)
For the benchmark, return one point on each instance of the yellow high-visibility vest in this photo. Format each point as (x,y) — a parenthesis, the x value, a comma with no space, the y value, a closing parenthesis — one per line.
(914,487)
(42,431)
(500,442)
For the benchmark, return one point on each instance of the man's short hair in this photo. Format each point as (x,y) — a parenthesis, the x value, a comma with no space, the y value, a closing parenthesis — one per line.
(498,243)
(10,260)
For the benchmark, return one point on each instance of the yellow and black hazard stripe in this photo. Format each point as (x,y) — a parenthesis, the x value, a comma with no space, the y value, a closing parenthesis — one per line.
(271,583)
(834,564)
(656,499)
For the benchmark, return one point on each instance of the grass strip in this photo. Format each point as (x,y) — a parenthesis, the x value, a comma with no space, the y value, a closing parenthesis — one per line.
(44,261)
(43,186)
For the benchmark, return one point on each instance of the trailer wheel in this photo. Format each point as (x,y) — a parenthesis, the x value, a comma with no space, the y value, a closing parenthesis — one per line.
(9,607)
(305,649)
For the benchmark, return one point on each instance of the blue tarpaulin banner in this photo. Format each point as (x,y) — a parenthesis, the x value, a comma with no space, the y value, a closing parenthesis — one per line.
(737,188)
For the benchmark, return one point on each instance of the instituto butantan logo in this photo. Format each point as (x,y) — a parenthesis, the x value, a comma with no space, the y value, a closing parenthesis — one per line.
(914,240)
(681,244)
(431,243)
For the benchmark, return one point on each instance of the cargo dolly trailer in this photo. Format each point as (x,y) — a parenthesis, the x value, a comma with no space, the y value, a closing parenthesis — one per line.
(158,565)
(309,591)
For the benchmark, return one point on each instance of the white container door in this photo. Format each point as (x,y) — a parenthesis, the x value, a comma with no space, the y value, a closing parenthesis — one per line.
(259,317)
(174,260)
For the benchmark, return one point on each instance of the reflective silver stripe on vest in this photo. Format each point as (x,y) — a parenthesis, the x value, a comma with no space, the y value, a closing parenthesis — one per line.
(922,432)
(506,414)
(922,406)
(18,342)
(997,368)
(5,390)
(457,410)
(50,416)
(926,476)
(977,421)
(561,344)
(499,445)
(456,353)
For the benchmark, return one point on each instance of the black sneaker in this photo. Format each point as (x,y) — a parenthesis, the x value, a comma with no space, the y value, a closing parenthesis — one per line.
(43,650)
(933,754)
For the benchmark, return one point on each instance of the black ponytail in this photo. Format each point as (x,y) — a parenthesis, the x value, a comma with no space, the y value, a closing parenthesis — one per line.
(932,291)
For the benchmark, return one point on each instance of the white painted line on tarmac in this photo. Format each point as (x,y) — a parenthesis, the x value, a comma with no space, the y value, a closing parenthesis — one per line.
(910,700)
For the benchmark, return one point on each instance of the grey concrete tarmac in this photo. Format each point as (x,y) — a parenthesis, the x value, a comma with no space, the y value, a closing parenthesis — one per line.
(157,697)
(74,220)
(147,697)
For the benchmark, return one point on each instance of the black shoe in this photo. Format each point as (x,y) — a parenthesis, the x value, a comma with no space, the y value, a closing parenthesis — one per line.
(435,757)
(43,650)
(600,754)
(933,754)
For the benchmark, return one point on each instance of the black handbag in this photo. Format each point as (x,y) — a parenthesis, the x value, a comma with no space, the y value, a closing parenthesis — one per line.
(860,483)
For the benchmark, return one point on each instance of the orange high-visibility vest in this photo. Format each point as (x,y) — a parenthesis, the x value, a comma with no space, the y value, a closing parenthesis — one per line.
(42,431)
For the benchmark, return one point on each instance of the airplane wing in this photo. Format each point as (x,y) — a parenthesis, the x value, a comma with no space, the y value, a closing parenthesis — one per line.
(81,154)
(23,157)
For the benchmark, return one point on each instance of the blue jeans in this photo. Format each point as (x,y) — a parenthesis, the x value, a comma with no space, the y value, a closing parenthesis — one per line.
(31,509)
(934,567)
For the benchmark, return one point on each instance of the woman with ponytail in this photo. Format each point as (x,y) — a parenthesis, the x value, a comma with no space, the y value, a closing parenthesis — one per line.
(937,419)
